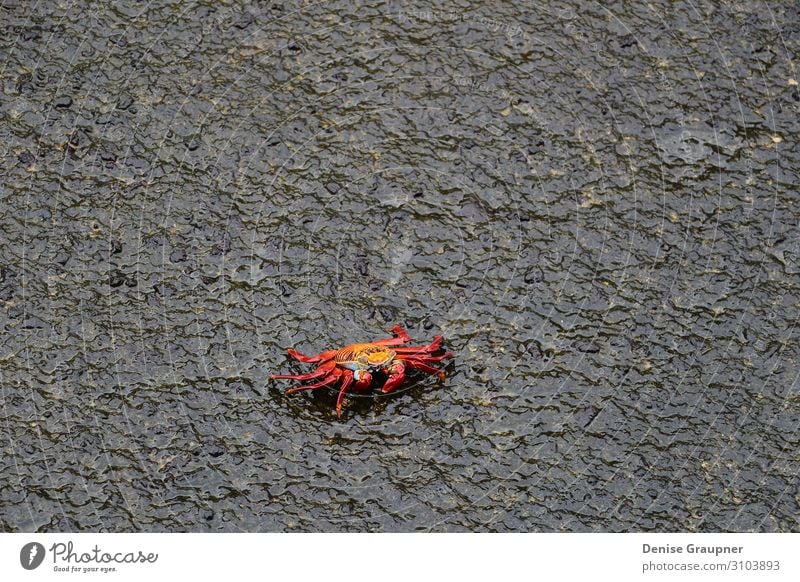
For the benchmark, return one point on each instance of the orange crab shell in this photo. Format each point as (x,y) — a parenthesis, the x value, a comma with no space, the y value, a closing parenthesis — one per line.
(370,357)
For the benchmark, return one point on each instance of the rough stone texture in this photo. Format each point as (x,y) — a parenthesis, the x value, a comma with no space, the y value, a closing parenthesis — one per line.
(596,205)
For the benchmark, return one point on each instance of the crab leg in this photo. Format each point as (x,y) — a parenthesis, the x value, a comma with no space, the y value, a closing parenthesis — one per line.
(322,370)
(430,348)
(397,373)
(401,338)
(347,379)
(320,357)
(425,358)
(332,378)
(417,365)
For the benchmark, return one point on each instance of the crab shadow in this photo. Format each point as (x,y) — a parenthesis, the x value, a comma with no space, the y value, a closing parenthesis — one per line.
(323,401)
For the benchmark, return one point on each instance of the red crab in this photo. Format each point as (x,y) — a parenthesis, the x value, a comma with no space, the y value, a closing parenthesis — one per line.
(354,366)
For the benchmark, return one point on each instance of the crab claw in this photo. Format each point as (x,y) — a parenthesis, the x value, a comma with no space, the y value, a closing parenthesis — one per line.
(363,380)
(397,373)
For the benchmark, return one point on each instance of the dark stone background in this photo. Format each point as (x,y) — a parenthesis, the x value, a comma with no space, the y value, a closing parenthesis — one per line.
(597,205)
